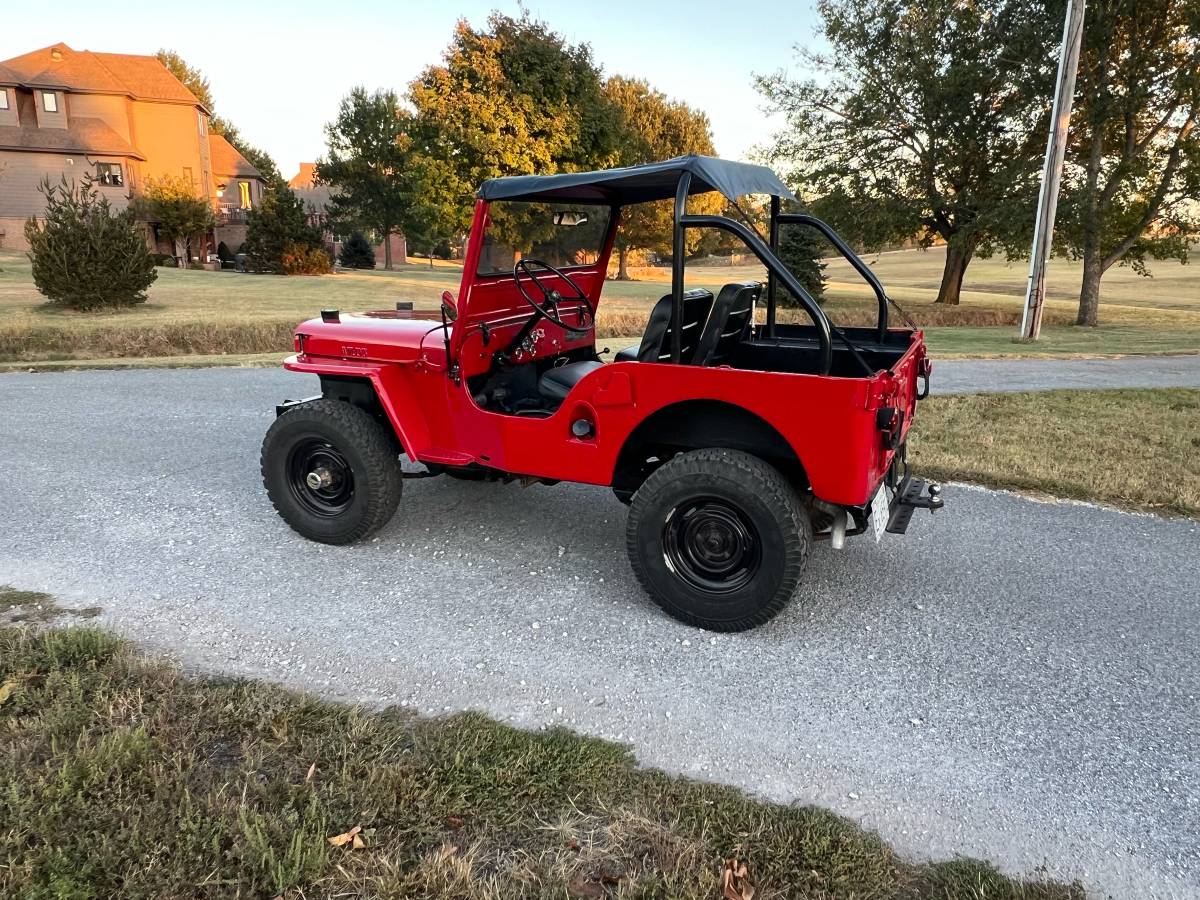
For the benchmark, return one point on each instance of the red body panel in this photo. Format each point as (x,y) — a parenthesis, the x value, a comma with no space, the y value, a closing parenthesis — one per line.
(829,422)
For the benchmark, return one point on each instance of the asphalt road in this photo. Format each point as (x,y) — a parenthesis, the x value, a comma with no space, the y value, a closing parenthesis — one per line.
(954,376)
(1012,680)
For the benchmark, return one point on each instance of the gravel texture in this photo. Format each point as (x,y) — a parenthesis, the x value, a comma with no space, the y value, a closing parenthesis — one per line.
(1013,680)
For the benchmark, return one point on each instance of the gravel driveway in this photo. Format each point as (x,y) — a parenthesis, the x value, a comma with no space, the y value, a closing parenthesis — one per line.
(1012,680)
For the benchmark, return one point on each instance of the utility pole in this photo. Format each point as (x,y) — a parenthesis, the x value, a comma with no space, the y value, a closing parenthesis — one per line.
(1056,149)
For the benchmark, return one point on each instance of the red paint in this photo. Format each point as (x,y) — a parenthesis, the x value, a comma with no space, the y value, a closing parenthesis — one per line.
(829,422)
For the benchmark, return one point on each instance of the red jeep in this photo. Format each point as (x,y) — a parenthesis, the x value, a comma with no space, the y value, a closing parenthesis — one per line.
(731,440)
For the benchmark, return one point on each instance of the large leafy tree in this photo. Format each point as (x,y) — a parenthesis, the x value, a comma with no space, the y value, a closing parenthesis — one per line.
(369,165)
(650,127)
(1133,165)
(924,118)
(193,79)
(181,216)
(511,99)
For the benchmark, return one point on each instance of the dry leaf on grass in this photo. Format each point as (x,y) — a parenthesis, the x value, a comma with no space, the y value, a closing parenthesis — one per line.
(735,881)
(351,837)
(446,851)
(455,822)
(312,770)
(578,887)
(6,690)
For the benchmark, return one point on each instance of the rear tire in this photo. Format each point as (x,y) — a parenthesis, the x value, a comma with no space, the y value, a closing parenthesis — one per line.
(719,539)
(332,471)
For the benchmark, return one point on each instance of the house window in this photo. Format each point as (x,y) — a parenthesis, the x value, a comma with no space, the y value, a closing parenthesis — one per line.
(203,125)
(244,187)
(49,101)
(110,174)
(3,98)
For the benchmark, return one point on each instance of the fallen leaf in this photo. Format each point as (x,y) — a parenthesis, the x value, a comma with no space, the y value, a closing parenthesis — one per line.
(350,837)
(455,822)
(312,770)
(6,690)
(735,881)
(446,851)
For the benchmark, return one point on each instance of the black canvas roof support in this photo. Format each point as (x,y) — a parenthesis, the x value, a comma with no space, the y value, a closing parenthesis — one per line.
(771,275)
(678,248)
(842,248)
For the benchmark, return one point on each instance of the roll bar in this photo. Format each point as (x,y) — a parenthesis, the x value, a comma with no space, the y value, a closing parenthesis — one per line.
(775,269)
(842,248)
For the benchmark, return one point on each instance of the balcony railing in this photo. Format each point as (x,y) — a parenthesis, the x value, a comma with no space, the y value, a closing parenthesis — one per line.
(229,215)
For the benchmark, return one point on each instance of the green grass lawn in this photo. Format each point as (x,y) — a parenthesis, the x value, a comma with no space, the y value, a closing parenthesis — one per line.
(210,313)
(124,778)
(1138,449)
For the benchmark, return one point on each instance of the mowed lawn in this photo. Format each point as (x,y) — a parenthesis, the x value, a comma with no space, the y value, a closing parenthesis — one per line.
(206,313)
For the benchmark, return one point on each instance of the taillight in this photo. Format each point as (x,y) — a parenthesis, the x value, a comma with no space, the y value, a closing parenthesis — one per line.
(890,421)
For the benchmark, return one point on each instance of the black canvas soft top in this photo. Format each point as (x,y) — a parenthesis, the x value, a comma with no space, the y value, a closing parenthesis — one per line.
(640,184)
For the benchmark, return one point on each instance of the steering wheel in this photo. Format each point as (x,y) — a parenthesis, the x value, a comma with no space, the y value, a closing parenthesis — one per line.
(548,308)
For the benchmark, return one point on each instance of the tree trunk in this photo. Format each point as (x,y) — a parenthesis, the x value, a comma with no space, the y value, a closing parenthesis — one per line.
(431,257)
(622,264)
(957,257)
(387,250)
(1089,293)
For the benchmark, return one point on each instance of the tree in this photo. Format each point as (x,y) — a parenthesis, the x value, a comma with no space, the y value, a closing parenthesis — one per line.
(925,118)
(800,249)
(86,256)
(279,237)
(181,216)
(650,127)
(193,79)
(369,166)
(513,99)
(1133,158)
(357,253)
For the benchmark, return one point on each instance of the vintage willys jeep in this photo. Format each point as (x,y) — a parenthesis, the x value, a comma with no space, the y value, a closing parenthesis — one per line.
(731,439)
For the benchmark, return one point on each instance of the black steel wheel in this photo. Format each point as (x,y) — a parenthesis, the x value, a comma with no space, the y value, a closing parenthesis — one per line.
(719,539)
(712,545)
(332,471)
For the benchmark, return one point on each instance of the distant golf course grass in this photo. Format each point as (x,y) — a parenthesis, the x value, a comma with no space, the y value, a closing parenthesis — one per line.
(218,313)
(124,778)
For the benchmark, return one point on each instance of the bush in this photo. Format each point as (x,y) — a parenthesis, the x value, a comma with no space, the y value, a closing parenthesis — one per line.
(163,259)
(280,226)
(85,256)
(357,253)
(299,259)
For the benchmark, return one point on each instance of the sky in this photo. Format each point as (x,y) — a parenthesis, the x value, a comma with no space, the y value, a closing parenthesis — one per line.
(278,70)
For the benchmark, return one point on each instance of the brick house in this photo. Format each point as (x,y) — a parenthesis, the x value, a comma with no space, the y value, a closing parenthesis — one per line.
(316,200)
(121,119)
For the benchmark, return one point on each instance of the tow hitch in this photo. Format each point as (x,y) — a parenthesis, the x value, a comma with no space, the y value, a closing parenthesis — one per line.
(913,493)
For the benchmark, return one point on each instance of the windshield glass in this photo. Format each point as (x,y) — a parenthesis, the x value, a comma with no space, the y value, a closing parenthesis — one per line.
(562,234)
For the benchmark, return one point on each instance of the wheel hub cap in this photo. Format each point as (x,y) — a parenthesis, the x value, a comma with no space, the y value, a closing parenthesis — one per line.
(320,478)
(712,545)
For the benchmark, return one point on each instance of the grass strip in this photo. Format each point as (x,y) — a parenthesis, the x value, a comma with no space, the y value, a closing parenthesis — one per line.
(1138,449)
(124,777)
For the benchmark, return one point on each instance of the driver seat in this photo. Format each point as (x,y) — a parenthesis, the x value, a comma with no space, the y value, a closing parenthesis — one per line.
(555,384)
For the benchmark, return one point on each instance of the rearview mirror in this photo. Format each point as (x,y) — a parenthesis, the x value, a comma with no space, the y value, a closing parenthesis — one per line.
(449,307)
(570,219)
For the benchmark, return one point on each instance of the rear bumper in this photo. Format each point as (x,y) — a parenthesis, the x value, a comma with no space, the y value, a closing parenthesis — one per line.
(911,494)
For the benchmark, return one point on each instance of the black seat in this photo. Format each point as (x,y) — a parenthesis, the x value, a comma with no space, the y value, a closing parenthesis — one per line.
(728,323)
(555,384)
(656,342)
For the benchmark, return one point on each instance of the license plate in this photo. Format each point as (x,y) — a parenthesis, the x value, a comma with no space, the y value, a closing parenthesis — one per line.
(880,512)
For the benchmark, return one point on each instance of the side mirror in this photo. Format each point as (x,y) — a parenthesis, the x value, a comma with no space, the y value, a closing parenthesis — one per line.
(449,307)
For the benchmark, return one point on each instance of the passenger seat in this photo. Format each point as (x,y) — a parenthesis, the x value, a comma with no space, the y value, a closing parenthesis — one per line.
(728,323)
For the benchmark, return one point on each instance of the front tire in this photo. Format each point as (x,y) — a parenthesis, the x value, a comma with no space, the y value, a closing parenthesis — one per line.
(332,471)
(718,539)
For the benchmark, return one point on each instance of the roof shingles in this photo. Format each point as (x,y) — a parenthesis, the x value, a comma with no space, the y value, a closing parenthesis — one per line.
(58,66)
